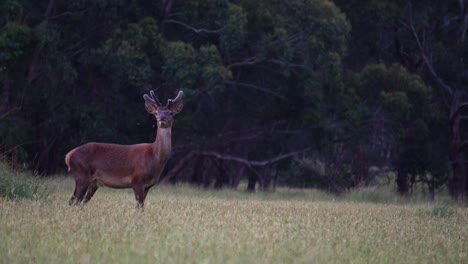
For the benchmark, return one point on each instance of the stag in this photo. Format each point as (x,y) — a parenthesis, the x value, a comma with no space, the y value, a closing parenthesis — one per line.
(124,166)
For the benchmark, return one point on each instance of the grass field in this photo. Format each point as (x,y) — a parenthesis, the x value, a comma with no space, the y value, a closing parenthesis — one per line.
(186,225)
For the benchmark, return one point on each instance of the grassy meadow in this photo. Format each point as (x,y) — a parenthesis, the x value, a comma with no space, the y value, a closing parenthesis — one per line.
(187,225)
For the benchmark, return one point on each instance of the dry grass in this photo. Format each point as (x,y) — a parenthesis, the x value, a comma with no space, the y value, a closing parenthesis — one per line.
(183,225)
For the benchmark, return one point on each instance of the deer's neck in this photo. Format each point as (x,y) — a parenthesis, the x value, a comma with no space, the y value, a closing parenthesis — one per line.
(162,146)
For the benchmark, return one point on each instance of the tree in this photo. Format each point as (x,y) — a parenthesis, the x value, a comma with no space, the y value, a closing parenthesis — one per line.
(262,79)
(401,104)
(444,45)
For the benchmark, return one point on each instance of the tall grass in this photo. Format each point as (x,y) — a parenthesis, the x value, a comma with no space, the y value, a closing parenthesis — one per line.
(14,185)
(385,191)
(186,225)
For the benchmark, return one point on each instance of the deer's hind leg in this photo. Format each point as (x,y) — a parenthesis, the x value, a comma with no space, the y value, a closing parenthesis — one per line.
(90,192)
(73,198)
(81,186)
(140,194)
(146,192)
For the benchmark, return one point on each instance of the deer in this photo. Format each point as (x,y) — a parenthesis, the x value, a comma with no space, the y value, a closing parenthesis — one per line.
(136,166)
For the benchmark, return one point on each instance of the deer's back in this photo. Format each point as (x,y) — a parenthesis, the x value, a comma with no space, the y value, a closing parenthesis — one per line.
(103,159)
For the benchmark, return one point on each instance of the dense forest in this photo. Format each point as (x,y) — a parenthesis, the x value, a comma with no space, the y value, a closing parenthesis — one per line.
(307,93)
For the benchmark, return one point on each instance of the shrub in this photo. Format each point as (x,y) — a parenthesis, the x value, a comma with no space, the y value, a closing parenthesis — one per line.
(15,185)
(372,195)
(442,211)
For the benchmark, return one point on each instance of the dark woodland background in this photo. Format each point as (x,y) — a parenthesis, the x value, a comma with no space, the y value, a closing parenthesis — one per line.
(306,93)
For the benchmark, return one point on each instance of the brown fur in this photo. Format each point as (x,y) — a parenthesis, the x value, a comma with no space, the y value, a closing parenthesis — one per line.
(123,166)
(112,163)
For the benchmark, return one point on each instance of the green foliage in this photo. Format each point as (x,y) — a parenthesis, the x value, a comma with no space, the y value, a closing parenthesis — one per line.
(330,72)
(260,17)
(211,14)
(50,39)
(233,35)
(310,28)
(186,67)
(212,73)
(311,116)
(396,102)
(15,43)
(133,53)
(406,100)
(261,77)
(276,45)
(14,185)
(442,211)
(10,10)
(180,64)
(373,24)
(400,91)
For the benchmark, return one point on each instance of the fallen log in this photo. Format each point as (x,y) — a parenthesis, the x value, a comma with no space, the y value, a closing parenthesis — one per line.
(250,164)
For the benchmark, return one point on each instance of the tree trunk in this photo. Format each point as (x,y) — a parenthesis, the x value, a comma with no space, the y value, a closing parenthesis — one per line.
(221,177)
(238,176)
(252,181)
(5,94)
(266,180)
(275,179)
(167,6)
(402,183)
(431,187)
(197,175)
(458,184)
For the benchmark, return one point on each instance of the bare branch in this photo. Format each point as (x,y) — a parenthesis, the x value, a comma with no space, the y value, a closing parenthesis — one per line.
(178,167)
(194,29)
(248,163)
(457,111)
(283,63)
(464,27)
(11,111)
(68,13)
(167,4)
(246,61)
(299,36)
(426,60)
(259,88)
(464,118)
(463,145)
(50,9)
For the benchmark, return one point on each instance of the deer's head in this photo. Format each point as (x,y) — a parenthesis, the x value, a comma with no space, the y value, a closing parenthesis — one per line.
(162,113)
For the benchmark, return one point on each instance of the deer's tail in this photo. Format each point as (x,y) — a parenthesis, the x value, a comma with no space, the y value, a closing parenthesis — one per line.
(68,157)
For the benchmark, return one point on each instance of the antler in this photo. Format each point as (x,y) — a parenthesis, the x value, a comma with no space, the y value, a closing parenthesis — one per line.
(152,99)
(176,99)
(155,100)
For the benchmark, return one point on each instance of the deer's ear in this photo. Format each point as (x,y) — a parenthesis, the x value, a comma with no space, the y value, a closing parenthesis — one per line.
(150,107)
(176,107)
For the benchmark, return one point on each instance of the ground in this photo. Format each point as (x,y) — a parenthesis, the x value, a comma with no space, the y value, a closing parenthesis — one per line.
(187,225)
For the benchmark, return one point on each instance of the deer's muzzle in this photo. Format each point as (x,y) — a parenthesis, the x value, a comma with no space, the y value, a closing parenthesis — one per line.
(164,123)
